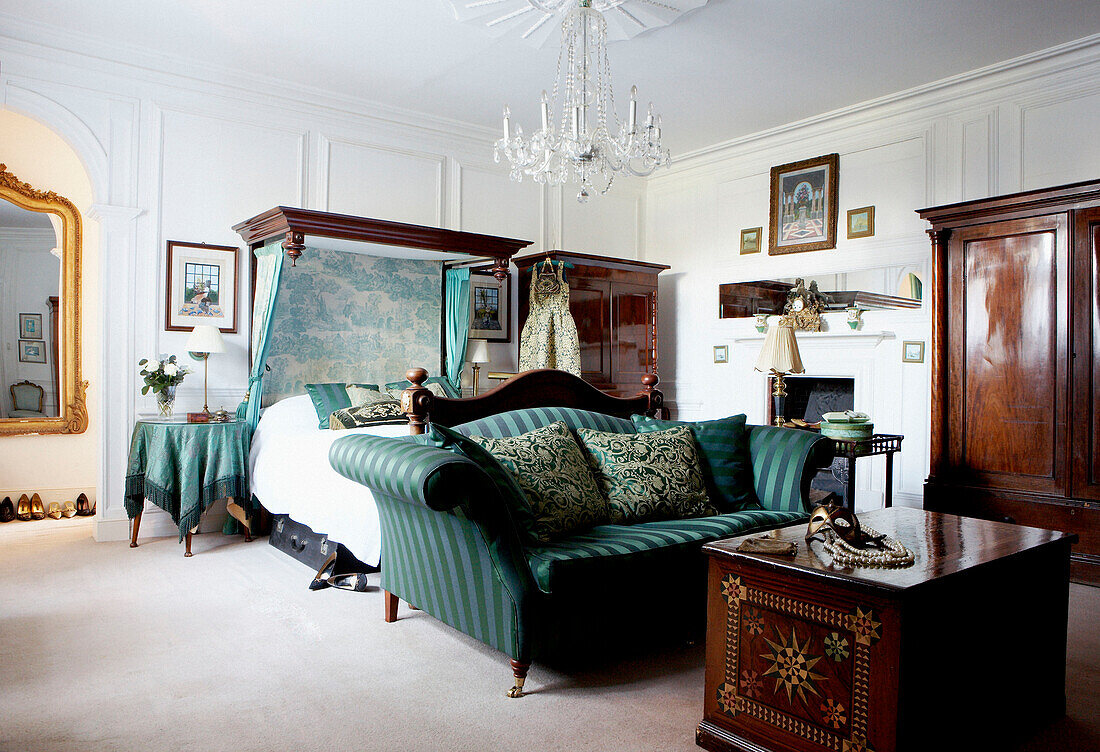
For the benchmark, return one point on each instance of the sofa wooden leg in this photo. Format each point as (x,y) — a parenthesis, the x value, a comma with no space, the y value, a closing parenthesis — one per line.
(391,602)
(519,671)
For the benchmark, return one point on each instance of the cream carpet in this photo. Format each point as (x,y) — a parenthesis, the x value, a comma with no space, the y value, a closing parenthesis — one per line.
(103,647)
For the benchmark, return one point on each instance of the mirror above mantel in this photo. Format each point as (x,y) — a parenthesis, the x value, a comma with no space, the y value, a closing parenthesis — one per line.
(41,388)
(881,288)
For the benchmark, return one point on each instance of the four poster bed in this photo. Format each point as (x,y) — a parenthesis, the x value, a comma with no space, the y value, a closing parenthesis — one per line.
(400,295)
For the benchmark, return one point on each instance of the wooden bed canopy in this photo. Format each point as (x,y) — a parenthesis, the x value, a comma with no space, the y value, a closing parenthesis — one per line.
(296,225)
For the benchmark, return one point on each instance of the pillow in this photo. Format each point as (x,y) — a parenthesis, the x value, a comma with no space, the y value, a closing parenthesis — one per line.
(328,398)
(372,414)
(361,395)
(553,474)
(438,386)
(648,476)
(723,455)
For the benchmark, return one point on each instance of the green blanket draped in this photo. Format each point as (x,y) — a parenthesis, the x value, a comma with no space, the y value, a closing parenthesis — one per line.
(183,468)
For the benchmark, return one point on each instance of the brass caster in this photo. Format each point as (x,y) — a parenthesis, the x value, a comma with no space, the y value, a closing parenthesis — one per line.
(516,691)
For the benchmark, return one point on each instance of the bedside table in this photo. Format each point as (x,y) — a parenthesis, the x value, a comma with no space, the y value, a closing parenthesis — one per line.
(183,468)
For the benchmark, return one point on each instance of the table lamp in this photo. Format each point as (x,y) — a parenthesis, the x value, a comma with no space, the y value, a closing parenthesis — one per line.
(476,354)
(779,355)
(205,339)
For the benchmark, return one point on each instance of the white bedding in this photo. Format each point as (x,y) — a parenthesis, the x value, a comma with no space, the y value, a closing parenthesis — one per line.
(290,474)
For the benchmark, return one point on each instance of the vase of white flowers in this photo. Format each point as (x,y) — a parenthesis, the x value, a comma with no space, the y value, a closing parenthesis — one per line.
(162,377)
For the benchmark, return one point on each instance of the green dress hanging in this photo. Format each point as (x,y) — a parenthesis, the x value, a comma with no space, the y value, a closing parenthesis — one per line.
(549,338)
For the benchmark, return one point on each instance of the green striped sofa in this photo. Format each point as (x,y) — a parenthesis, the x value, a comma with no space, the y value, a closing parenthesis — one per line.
(450,548)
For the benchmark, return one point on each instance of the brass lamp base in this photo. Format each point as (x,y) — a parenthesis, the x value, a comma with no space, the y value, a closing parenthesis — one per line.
(779,397)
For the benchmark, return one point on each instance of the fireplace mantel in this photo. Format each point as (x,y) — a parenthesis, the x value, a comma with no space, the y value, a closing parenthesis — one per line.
(848,339)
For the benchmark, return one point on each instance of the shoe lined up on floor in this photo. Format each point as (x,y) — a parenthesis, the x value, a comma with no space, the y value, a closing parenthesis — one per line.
(31,508)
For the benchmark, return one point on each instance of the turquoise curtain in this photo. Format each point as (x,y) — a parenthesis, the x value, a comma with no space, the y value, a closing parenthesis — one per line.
(458,323)
(269,270)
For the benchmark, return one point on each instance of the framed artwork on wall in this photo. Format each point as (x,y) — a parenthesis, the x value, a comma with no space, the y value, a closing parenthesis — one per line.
(30,326)
(803,205)
(31,351)
(201,287)
(490,307)
(721,353)
(861,222)
(750,240)
(912,352)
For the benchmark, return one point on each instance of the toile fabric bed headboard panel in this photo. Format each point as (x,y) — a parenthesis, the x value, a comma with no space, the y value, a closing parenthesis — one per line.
(350,317)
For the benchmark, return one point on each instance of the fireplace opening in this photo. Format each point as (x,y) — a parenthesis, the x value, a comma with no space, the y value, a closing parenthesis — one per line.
(810,397)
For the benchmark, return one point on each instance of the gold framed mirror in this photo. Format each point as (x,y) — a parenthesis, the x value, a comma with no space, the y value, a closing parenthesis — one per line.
(44,364)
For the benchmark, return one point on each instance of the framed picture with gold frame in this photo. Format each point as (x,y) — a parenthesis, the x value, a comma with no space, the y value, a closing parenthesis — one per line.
(912,352)
(721,353)
(750,240)
(803,205)
(861,222)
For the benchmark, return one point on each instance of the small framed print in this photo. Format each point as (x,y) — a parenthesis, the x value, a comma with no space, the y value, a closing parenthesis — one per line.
(202,287)
(912,352)
(31,351)
(30,326)
(861,222)
(490,307)
(721,353)
(750,240)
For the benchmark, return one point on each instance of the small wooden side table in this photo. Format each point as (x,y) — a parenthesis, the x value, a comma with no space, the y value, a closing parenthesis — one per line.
(850,451)
(963,650)
(183,468)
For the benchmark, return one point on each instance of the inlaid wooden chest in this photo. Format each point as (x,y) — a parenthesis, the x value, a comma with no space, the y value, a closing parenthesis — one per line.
(804,656)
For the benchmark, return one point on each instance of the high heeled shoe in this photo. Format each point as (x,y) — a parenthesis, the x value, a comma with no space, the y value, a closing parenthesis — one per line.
(54,511)
(84,508)
(7,510)
(68,511)
(23,511)
(38,512)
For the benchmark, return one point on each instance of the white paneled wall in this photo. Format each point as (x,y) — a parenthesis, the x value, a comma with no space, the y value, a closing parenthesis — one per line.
(1022,125)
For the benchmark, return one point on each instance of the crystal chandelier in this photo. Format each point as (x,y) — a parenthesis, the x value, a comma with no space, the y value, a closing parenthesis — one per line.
(586,143)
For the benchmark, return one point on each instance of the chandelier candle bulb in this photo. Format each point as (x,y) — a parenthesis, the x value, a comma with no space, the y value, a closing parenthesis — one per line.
(545,111)
(507,123)
(633,108)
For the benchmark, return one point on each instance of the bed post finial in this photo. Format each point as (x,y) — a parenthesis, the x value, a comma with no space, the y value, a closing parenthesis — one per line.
(294,245)
(500,269)
(416,401)
(656,400)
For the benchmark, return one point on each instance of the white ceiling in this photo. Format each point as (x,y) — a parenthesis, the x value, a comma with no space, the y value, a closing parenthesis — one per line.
(730,68)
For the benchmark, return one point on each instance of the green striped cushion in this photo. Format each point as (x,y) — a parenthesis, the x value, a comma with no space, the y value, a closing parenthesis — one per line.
(515,422)
(723,454)
(328,398)
(593,552)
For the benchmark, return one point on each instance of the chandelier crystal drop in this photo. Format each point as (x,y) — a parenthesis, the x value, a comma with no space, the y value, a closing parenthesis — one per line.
(581,138)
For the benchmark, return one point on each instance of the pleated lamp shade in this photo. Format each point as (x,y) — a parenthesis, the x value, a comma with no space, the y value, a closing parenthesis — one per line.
(205,339)
(780,351)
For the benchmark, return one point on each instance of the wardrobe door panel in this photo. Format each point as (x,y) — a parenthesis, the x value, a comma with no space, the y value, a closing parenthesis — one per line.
(590,304)
(1010,429)
(632,346)
(1085,411)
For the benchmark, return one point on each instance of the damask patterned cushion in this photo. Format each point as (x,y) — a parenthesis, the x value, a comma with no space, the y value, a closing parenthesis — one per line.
(648,476)
(723,455)
(552,472)
(361,395)
(328,398)
(437,385)
(371,414)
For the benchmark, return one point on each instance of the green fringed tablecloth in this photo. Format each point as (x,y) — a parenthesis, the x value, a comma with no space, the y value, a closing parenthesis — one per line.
(184,468)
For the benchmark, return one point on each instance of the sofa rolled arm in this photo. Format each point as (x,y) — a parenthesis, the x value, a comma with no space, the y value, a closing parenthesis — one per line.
(784,461)
(436,478)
